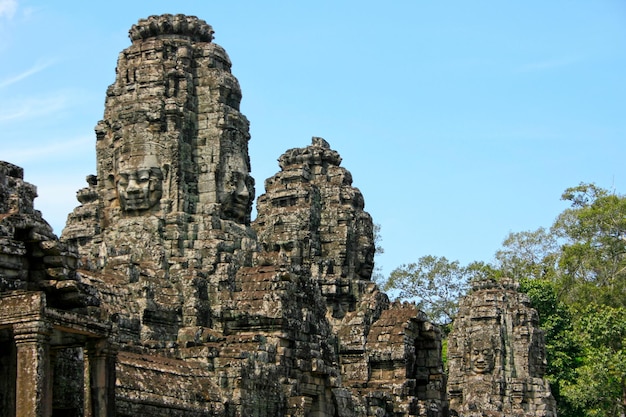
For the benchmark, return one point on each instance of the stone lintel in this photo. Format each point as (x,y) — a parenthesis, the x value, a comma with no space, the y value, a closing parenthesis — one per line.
(21,306)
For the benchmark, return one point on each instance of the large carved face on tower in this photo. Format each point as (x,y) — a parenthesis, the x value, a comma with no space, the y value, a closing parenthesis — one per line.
(236,189)
(482,355)
(139,187)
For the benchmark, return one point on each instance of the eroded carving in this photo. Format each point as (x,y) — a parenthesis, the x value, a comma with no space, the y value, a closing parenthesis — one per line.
(493,352)
(236,189)
(482,354)
(140,187)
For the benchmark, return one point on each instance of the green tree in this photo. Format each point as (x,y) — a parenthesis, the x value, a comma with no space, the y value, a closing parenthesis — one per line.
(479,270)
(529,255)
(563,352)
(593,257)
(600,384)
(434,283)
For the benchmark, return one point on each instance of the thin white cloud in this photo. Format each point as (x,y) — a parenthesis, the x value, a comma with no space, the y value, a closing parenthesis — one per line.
(23,154)
(547,65)
(30,108)
(8,9)
(17,78)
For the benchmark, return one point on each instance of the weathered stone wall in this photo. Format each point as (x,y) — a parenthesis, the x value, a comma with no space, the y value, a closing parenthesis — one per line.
(496,355)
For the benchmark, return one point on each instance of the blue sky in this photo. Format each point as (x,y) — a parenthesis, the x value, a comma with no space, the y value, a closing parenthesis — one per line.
(460,121)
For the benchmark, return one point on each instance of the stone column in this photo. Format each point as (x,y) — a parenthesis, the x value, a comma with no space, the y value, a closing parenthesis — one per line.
(34,379)
(100,379)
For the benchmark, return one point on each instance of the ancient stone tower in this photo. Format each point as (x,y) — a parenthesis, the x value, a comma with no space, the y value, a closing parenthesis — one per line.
(169,209)
(496,355)
(213,315)
(312,219)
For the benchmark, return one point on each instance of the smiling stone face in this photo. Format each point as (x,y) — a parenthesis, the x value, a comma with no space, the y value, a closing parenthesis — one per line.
(236,189)
(139,189)
(482,356)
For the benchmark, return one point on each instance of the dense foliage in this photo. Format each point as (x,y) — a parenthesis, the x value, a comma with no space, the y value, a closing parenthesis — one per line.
(575,276)
(435,284)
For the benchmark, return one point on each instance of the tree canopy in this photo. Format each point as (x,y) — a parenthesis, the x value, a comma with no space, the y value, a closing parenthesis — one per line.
(434,283)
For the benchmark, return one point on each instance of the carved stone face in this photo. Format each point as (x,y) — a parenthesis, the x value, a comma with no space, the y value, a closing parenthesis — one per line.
(365,263)
(236,192)
(139,189)
(482,357)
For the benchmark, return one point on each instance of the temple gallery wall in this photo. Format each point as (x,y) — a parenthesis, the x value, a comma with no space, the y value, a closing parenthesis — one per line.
(162,298)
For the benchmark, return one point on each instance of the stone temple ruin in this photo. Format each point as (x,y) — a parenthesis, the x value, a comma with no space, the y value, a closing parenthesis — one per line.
(496,355)
(162,298)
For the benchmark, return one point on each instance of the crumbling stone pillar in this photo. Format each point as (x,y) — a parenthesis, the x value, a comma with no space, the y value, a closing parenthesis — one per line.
(100,359)
(33,385)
